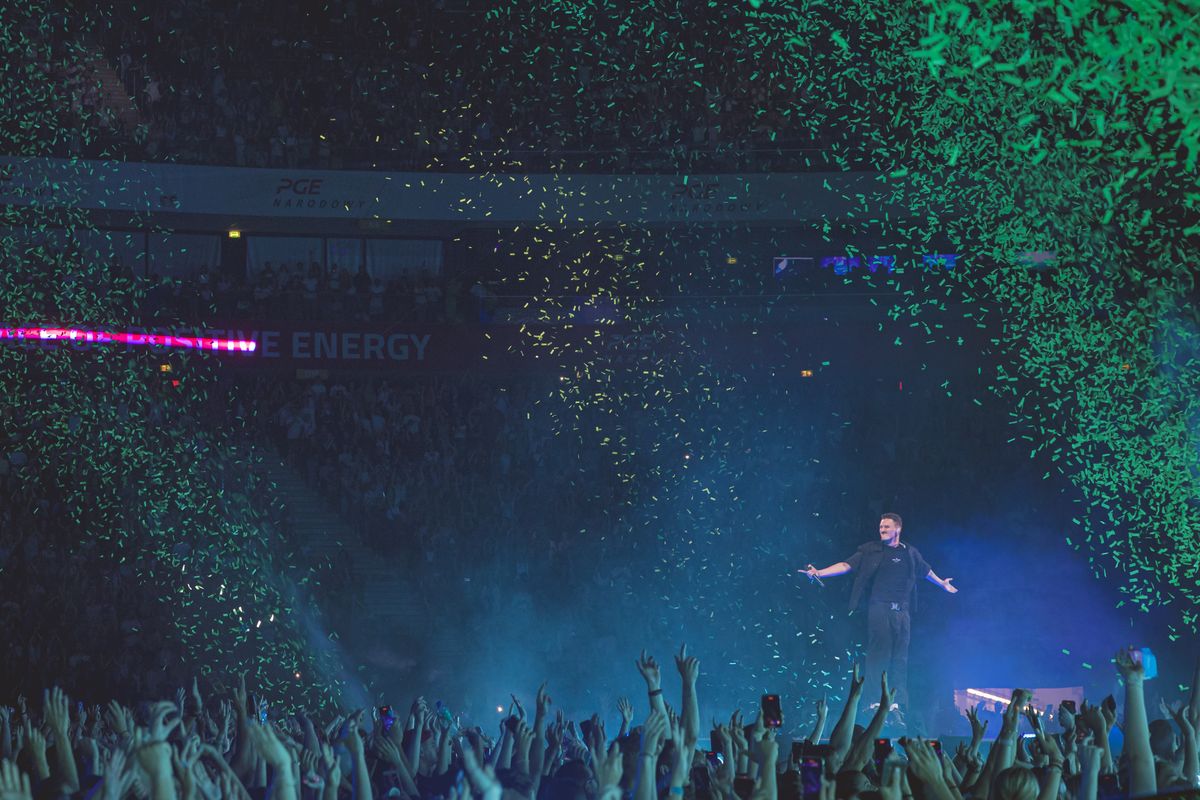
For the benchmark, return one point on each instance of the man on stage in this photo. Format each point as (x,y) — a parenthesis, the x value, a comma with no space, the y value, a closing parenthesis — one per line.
(886,573)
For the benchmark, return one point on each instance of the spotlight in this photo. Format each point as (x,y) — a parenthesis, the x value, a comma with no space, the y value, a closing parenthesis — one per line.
(235,234)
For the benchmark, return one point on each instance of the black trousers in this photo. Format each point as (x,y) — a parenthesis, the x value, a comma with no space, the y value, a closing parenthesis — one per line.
(888,629)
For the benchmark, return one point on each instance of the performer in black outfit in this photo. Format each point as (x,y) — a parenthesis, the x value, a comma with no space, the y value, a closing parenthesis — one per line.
(886,574)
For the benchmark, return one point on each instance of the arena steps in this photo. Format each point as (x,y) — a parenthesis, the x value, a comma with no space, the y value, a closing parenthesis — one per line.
(321,533)
(114,93)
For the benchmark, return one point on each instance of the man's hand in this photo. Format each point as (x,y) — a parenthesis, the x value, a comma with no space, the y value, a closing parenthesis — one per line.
(648,667)
(946,585)
(810,571)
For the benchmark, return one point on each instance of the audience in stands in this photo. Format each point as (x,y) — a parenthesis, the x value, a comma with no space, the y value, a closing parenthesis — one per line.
(241,746)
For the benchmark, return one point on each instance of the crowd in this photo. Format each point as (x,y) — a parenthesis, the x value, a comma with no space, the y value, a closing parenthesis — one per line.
(411,85)
(241,745)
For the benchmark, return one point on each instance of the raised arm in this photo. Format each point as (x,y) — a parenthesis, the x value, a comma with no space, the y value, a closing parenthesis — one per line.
(839,740)
(648,667)
(689,673)
(1142,778)
(833,570)
(1003,750)
(860,751)
(932,577)
(537,755)
(818,730)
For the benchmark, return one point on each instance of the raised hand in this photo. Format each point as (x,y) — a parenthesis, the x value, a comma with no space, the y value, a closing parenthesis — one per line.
(608,767)
(153,755)
(1129,669)
(890,773)
(1180,714)
(57,710)
(520,709)
(923,761)
(543,702)
(1094,719)
(688,666)
(856,679)
(36,743)
(350,736)
(946,585)
(482,778)
(118,778)
(196,697)
(653,734)
(737,734)
(14,784)
(649,670)
(887,694)
(978,729)
(119,718)
(389,751)
(266,741)
(331,769)
(164,718)
(1066,719)
(240,697)
(626,710)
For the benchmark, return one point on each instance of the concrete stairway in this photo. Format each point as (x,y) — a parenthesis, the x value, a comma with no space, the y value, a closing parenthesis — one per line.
(113,93)
(321,533)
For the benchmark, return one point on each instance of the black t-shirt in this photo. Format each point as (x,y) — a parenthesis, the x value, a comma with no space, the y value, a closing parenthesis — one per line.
(894,579)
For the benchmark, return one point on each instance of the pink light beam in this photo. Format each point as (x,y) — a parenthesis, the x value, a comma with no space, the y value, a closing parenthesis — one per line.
(143,339)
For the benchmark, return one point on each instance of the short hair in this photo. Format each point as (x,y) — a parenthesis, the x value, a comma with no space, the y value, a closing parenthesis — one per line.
(1162,739)
(894,518)
(1015,783)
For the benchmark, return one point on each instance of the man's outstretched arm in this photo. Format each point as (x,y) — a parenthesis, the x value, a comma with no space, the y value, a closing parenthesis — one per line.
(932,577)
(840,568)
